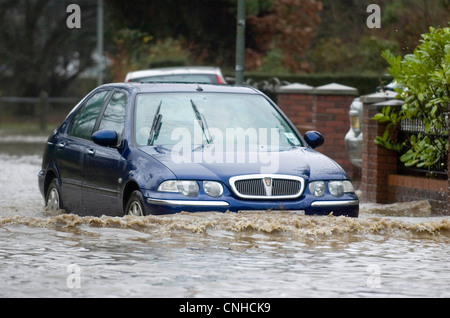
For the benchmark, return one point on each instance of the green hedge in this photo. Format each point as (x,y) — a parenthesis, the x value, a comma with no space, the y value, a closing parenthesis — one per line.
(365,83)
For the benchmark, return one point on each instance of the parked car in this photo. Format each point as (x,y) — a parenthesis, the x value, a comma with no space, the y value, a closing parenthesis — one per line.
(190,74)
(139,149)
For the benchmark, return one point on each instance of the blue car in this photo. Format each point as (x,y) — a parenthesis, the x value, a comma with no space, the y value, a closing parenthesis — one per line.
(140,149)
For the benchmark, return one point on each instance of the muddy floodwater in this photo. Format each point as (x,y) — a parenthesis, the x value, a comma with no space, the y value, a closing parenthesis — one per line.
(381,254)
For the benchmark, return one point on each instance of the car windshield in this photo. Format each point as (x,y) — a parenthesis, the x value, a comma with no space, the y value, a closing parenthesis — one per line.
(199,119)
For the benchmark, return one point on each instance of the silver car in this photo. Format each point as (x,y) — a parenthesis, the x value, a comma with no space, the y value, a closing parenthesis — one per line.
(185,74)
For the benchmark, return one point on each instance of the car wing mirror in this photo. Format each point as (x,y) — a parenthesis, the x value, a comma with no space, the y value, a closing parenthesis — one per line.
(314,139)
(105,137)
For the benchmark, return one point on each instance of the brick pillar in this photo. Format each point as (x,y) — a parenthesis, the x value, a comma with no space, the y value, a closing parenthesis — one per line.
(377,162)
(331,119)
(448,175)
(296,101)
(324,109)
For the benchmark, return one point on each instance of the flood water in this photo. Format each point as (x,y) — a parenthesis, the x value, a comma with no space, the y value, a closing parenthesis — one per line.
(381,254)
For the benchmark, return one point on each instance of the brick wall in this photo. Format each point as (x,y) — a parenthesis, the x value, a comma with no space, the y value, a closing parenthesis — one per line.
(377,162)
(380,182)
(408,188)
(325,109)
(296,101)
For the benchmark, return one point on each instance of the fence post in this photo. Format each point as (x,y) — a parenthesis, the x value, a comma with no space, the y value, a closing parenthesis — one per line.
(42,110)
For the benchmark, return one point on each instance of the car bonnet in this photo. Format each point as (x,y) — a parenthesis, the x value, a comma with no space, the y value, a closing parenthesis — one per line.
(296,161)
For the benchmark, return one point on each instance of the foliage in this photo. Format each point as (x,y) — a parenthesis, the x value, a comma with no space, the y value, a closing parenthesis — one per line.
(37,49)
(335,55)
(287,26)
(130,50)
(135,50)
(403,21)
(208,30)
(392,120)
(354,47)
(425,79)
(273,63)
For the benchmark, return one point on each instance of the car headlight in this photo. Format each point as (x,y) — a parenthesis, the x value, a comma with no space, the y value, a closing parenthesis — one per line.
(185,187)
(338,188)
(213,188)
(317,188)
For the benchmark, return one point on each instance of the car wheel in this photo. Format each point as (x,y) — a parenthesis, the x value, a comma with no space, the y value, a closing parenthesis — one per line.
(53,198)
(135,205)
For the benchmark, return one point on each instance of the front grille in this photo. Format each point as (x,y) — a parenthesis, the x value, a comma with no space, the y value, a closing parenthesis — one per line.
(251,187)
(285,187)
(264,186)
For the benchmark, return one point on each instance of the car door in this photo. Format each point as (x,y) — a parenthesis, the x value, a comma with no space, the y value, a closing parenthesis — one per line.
(71,149)
(69,162)
(104,166)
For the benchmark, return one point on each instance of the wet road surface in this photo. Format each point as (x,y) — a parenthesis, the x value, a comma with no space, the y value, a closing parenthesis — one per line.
(384,253)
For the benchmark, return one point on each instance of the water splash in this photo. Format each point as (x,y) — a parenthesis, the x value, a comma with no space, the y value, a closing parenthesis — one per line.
(270,223)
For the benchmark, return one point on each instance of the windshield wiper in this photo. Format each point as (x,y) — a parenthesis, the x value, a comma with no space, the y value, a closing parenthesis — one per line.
(156,126)
(202,122)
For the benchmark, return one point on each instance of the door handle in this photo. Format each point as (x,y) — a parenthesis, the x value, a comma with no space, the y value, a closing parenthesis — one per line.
(61,145)
(91,152)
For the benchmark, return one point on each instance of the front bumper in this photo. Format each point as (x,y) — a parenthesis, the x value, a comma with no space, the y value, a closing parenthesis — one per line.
(347,205)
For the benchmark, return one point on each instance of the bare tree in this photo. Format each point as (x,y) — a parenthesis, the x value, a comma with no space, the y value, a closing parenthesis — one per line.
(38,51)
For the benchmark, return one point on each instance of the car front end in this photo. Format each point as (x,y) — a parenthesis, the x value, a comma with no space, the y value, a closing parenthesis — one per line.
(346,204)
(316,187)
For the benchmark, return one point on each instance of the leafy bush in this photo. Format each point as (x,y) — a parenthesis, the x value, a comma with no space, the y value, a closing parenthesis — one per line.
(425,87)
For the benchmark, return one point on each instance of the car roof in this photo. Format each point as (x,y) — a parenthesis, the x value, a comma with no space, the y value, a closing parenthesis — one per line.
(173,71)
(165,87)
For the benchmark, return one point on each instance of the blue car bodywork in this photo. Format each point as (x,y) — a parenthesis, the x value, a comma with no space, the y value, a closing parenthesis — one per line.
(99,174)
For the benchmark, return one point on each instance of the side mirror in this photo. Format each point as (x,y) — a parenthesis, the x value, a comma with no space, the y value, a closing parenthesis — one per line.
(106,137)
(314,139)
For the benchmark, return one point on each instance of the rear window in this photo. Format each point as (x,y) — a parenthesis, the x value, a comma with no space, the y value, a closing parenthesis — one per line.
(182,78)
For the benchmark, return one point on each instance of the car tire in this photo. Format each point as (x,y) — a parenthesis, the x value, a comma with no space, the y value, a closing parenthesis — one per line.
(53,197)
(135,204)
